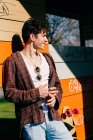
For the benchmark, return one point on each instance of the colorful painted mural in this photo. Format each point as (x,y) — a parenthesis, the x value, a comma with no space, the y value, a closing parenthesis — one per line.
(74,64)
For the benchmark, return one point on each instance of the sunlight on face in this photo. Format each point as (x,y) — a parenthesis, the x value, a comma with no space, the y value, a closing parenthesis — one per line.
(40,40)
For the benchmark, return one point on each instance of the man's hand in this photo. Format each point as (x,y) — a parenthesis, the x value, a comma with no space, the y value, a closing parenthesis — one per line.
(51,98)
(43,90)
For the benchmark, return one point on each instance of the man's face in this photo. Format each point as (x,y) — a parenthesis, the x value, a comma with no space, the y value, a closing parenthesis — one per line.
(40,40)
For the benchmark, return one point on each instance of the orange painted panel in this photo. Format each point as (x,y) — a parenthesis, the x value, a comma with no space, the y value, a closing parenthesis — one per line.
(80,132)
(0,75)
(77,93)
(73,85)
(77,101)
(85,131)
(83,117)
(45,49)
(83,122)
(79,118)
(5,50)
(84,125)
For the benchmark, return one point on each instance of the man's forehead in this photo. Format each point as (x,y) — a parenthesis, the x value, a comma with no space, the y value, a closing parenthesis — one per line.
(43,32)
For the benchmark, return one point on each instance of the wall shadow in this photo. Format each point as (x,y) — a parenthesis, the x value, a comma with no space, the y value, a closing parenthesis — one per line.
(16,43)
(35,9)
(8,129)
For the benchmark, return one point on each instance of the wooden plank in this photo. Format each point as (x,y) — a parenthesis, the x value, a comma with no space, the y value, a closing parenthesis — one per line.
(21,10)
(7,36)
(13,10)
(10,26)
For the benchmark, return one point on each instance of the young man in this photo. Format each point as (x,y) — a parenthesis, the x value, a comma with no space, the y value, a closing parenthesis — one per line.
(30,81)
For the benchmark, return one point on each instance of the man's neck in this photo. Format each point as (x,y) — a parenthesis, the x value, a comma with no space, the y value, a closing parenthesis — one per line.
(29,51)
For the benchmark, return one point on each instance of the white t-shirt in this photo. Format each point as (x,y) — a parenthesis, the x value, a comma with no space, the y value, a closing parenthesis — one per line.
(44,72)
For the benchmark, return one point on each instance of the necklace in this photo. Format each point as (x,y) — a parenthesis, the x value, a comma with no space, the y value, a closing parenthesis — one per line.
(37,68)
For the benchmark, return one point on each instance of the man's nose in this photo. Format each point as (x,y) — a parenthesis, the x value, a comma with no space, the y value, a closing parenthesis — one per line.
(46,40)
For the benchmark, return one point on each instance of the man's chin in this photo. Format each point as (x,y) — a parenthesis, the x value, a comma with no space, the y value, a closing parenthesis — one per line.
(42,47)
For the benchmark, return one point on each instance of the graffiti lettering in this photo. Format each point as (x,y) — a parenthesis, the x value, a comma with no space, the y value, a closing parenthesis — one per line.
(76,53)
(4,10)
(74,86)
(79,120)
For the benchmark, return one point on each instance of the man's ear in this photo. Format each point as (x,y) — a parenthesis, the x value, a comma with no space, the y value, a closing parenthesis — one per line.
(32,36)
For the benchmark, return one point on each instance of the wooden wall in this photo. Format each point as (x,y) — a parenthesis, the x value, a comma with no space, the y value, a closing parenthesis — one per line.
(13,13)
(74,64)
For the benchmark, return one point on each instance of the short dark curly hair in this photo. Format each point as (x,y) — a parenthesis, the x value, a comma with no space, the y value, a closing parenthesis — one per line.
(33,26)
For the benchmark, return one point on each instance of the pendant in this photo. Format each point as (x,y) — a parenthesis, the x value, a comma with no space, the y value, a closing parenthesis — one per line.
(38,77)
(36,53)
(37,69)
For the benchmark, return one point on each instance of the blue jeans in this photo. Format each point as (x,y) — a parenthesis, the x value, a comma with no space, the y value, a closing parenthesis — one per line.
(49,130)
